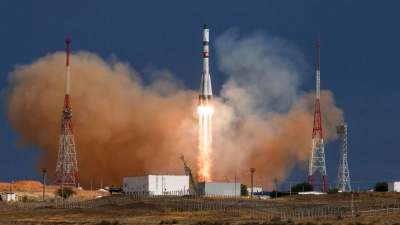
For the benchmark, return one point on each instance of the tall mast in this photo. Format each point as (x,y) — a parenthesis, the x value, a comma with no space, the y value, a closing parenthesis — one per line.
(317,128)
(67,165)
(317,156)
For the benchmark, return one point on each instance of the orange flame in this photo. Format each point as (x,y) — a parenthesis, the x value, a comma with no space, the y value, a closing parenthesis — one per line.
(205,156)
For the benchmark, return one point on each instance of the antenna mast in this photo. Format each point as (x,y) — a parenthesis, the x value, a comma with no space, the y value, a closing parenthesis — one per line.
(67,165)
(317,157)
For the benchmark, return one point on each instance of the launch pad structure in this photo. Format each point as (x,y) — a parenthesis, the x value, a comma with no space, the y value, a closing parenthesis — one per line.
(188,172)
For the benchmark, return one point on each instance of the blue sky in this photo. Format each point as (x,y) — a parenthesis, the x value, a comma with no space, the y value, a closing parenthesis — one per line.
(359,59)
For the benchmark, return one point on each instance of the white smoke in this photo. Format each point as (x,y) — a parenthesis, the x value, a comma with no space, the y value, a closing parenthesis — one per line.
(262,119)
(264,72)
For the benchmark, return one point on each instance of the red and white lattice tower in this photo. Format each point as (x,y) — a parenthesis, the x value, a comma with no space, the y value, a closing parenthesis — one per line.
(317,170)
(67,165)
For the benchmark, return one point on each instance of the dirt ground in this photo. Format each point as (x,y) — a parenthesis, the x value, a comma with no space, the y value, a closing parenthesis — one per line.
(141,213)
(33,190)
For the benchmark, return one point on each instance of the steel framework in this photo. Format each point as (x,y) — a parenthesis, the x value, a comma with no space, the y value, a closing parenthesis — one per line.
(317,156)
(67,165)
(188,172)
(343,179)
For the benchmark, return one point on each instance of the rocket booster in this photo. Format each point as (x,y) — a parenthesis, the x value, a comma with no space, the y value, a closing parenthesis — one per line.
(205,96)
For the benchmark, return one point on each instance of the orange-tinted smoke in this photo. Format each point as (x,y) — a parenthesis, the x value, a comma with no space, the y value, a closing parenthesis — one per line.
(121,127)
(274,144)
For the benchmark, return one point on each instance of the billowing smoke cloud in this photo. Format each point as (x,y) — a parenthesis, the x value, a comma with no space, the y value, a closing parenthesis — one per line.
(121,127)
(264,120)
(125,127)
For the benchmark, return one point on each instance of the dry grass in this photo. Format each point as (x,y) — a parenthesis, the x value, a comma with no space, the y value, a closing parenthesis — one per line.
(141,213)
(33,190)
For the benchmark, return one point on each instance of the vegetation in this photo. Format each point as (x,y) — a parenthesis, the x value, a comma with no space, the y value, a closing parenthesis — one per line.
(68,192)
(24,198)
(243,190)
(275,194)
(381,186)
(332,191)
(302,187)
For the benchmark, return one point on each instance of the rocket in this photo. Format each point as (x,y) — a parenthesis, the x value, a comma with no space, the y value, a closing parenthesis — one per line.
(205,95)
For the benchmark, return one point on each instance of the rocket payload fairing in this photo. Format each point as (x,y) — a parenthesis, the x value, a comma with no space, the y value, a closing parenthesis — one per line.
(205,96)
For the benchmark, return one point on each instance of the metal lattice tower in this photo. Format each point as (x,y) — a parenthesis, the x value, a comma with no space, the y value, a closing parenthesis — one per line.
(343,179)
(317,170)
(67,165)
(188,172)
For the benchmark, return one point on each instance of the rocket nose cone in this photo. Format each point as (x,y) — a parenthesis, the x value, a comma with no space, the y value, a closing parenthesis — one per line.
(205,26)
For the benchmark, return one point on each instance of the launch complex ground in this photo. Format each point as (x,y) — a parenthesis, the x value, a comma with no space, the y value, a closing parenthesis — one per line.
(343,208)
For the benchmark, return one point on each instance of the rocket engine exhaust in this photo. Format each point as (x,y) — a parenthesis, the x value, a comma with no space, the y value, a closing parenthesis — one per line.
(205,110)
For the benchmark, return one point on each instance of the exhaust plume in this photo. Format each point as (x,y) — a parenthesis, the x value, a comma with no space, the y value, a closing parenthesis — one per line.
(124,127)
(265,121)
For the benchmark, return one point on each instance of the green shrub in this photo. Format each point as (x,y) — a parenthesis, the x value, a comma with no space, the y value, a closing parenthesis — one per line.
(305,186)
(66,192)
(381,186)
(332,191)
(275,194)
(243,190)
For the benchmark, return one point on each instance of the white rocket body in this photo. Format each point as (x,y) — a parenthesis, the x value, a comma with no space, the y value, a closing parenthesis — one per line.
(205,96)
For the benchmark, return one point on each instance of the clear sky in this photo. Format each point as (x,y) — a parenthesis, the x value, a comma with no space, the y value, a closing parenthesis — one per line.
(359,59)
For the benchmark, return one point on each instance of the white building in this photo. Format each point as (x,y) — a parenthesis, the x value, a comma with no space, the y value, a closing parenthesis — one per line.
(255,189)
(218,189)
(394,186)
(156,185)
(11,197)
(312,193)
